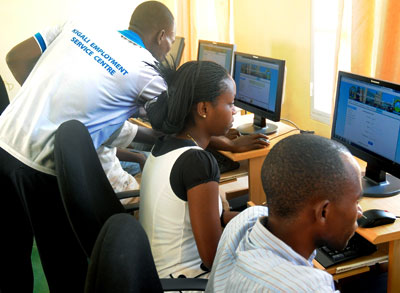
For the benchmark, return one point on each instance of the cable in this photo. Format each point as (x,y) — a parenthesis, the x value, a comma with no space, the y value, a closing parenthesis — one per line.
(307,131)
(291,122)
(298,128)
(284,133)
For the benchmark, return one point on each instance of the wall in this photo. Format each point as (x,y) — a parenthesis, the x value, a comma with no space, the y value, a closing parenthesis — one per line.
(281,29)
(21,19)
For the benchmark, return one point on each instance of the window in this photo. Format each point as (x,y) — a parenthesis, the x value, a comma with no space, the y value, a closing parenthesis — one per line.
(330,51)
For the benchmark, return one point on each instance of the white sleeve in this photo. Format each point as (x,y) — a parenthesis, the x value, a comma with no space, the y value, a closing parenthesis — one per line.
(46,36)
(125,136)
(154,87)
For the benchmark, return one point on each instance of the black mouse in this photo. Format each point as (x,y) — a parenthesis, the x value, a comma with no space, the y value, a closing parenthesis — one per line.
(375,217)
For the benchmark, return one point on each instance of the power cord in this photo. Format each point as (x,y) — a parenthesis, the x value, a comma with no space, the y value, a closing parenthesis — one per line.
(291,122)
(275,137)
(298,128)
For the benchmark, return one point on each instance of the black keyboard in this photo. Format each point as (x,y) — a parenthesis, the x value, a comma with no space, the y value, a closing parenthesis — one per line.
(357,246)
(224,163)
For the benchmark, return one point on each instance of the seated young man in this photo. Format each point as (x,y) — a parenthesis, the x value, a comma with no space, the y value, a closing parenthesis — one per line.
(118,161)
(313,188)
(107,152)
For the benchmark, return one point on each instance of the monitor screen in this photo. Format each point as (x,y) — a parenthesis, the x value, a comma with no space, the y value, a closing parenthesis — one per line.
(367,121)
(220,53)
(175,54)
(259,89)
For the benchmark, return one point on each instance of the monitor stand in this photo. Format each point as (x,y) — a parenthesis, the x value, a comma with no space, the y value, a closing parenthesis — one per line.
(259,125)
(377,183)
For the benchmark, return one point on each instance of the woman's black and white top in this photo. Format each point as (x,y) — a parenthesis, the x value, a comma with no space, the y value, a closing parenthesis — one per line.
(174,166)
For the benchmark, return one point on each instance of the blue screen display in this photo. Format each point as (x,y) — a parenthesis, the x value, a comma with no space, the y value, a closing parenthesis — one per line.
(256,82)
(368,116)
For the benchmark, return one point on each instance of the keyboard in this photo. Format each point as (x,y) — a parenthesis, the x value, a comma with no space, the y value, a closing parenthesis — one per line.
(224,163)
(357,246)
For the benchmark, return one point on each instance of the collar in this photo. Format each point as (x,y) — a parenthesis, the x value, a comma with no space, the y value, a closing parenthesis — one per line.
(168,143)
(262,237)
(132,36)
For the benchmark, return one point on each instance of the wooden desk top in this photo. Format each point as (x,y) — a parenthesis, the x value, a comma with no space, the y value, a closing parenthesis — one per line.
(284,130)
(140,122)
(383,233)
(378,235)
(356,266)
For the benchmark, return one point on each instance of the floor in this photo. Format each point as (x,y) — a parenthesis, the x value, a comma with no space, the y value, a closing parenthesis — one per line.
(40,284)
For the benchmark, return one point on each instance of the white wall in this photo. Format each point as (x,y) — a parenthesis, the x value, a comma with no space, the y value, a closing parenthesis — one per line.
(21,19)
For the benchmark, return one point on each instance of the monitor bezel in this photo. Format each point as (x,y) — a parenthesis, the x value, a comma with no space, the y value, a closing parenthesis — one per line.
(180,41)
(371,158)
(221,44)
(265,113)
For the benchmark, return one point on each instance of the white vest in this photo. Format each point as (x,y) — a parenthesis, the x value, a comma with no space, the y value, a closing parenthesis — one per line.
(165,218)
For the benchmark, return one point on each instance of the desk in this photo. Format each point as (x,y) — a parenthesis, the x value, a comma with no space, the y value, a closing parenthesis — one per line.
(256,158)
(386,237)
(386,234)
(140,122)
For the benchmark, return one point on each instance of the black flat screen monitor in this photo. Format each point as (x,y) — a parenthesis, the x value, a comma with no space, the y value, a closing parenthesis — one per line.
(259,89)
(220,53)
(367,121)
(175,54)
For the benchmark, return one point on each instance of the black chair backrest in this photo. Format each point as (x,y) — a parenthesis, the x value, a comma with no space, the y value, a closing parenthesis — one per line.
(4,101)
(121,260)
(90,201)
(87,195)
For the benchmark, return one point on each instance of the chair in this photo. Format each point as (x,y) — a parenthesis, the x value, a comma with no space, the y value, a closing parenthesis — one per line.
(4,101)
(87,194)
(85,190)
(121,260)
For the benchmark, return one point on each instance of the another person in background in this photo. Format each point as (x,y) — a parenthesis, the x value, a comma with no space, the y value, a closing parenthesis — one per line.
(313,187)
(180,206)
(120,163)
(81,71)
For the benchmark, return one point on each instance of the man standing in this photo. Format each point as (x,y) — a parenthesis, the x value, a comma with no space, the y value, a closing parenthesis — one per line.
(313,187)
(75,71)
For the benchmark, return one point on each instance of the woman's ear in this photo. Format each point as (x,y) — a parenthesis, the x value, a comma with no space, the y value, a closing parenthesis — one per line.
(202,109)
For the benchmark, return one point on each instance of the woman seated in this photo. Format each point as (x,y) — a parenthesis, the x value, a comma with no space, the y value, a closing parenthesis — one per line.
(180,206)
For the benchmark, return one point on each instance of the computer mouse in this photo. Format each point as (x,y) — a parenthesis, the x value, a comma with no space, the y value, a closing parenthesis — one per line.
(375,217)
(264,139)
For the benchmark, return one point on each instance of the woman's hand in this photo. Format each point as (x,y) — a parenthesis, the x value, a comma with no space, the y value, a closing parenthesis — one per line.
(250,142)
(232,133)
(242,143)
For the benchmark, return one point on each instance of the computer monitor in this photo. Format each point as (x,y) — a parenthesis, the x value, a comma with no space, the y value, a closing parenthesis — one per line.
(259,89)
(367,121)
(175,54)
(220,53)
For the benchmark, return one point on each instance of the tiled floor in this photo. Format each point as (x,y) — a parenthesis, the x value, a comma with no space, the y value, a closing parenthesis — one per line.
(40,284)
